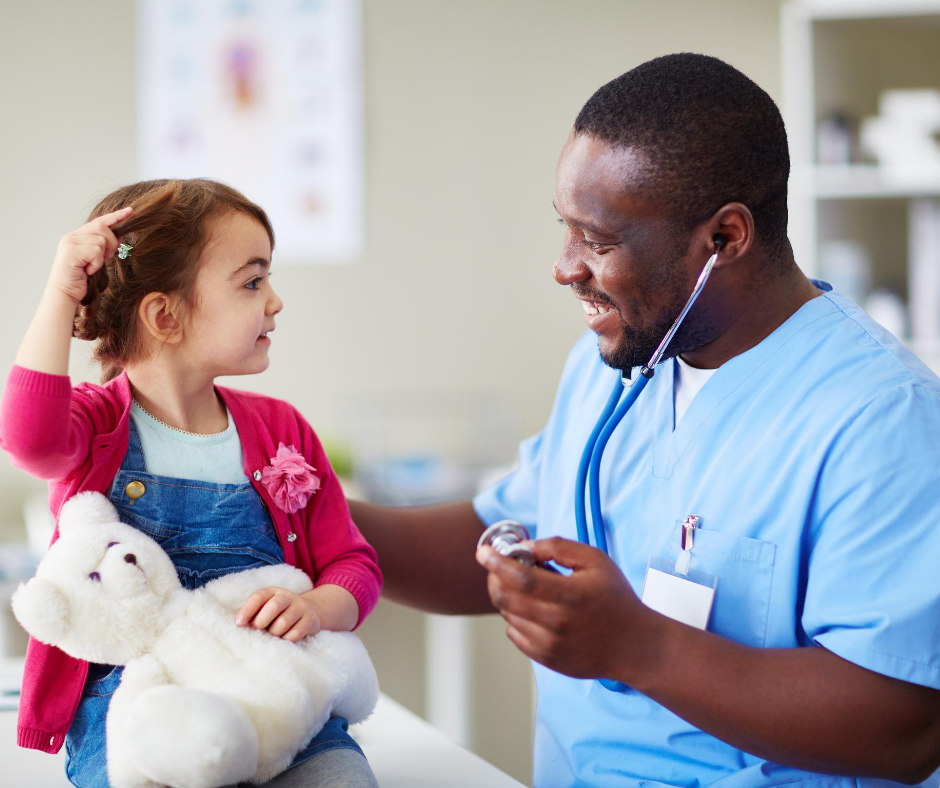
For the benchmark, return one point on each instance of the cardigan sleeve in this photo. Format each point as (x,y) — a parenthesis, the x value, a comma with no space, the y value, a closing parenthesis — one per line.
(46,433)
(339,553)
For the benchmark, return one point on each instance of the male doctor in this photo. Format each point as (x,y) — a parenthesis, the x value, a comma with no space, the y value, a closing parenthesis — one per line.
(803,437)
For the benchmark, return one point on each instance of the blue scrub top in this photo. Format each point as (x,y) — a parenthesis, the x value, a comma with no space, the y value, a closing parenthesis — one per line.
(813,460)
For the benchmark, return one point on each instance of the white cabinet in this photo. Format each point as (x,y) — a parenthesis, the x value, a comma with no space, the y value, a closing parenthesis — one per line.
(839,57)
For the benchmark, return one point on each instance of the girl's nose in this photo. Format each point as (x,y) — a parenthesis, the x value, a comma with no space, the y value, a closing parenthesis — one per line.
(275,304)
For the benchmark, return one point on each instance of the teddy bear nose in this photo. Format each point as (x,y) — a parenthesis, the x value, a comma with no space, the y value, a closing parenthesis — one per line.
(130,558)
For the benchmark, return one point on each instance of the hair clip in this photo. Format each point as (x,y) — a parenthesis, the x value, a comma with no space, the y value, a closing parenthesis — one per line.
(124,251)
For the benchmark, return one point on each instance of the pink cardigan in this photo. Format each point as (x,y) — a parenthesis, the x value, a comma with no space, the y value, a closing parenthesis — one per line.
(77,437)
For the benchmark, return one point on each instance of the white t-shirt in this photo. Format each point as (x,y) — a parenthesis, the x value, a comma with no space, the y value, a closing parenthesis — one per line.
(183,455)
(687,383)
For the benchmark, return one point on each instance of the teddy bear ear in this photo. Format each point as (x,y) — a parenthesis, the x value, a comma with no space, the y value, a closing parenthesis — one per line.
(42,609)
(87,508)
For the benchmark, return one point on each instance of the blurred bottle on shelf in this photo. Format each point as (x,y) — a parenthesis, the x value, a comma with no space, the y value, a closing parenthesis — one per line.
(903,135)
(924,271)
(886,307)
(846,265)
(836,139)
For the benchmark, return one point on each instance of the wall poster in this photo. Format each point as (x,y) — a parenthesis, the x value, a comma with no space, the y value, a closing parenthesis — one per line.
(266,96)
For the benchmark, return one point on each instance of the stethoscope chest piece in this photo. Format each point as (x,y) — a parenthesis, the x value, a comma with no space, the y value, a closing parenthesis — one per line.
(505,537)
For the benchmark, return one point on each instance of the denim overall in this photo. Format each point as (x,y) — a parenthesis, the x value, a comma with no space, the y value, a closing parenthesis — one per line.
(208,530)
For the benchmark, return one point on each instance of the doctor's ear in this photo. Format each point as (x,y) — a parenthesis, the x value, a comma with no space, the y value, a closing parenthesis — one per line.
(731,232)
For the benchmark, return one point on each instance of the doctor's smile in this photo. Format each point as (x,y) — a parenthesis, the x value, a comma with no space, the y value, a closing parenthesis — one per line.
(597,313)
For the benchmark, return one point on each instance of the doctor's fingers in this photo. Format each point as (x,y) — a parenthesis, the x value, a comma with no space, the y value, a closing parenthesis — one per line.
(513,575)
(511,602)
(534,640)
(567,553)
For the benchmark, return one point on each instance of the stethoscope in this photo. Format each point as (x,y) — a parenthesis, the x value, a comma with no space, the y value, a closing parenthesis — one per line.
(506,536)
(590,466)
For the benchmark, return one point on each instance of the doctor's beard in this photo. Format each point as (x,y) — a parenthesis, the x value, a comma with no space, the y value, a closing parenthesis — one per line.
(637,345)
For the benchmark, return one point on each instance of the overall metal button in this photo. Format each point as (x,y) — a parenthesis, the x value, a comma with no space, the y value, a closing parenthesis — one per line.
(135,490)
(292,537)
(256,476)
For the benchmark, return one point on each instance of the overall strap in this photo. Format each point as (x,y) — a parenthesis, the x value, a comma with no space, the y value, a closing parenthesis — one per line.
(134,459)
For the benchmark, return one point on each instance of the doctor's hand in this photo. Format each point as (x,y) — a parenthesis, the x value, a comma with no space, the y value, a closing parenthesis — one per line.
(589,624)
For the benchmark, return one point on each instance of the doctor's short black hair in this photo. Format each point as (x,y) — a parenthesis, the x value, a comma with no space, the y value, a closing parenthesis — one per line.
(710,136)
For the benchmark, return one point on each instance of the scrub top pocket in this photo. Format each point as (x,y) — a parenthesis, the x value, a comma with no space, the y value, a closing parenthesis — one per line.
(744,568)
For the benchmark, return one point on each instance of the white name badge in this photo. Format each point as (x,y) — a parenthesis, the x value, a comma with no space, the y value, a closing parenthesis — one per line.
(686,598)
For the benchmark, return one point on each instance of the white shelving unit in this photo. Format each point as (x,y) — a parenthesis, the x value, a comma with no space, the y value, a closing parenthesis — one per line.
(839,55)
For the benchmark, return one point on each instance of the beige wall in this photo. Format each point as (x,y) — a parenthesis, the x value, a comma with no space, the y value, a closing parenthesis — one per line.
(466,107)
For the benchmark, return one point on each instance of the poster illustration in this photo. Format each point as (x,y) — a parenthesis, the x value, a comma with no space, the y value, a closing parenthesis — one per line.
(266,96)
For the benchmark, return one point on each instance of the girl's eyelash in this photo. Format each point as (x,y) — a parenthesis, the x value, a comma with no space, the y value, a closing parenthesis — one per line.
(255,281)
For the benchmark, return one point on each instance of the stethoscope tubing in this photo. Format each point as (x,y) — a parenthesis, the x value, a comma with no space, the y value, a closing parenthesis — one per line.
(588,477)
(581,484)
(589,468)
(597,453)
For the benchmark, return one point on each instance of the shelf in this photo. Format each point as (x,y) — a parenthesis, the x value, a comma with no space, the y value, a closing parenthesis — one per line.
(928,352)
(866,181)
(864,9)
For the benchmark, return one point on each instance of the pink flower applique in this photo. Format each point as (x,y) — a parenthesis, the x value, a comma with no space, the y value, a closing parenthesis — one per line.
(289,480)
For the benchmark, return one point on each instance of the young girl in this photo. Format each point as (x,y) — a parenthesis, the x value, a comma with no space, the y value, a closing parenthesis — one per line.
(172,278)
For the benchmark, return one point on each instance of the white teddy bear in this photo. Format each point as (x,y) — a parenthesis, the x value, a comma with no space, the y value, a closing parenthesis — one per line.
(202,702)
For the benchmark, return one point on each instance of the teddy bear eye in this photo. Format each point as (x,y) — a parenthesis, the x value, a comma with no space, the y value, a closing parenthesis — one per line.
(95,576)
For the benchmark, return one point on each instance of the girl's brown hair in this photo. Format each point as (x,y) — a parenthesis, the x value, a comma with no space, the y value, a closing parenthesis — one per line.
(168,231)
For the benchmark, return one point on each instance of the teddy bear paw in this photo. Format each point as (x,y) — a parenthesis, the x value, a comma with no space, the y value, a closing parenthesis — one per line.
(187,738)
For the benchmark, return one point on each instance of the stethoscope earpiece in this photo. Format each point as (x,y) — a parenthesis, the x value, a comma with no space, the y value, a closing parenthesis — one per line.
(720,241)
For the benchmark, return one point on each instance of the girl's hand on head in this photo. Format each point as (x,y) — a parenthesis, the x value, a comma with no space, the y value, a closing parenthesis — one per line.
(281,612)
(82,252)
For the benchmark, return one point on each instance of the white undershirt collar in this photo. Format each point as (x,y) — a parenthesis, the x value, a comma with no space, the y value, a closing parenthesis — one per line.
(688,381)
